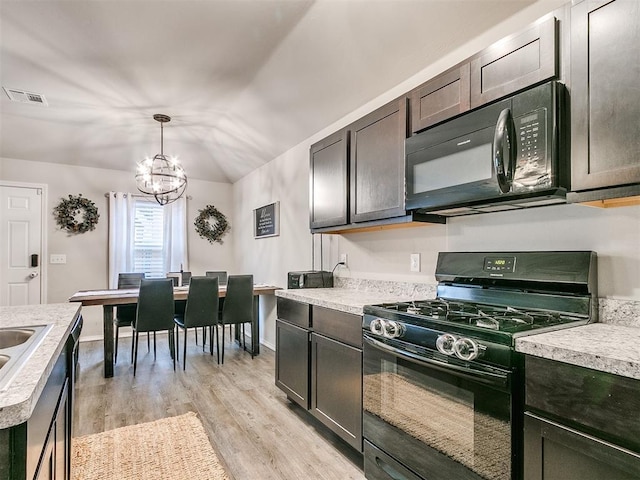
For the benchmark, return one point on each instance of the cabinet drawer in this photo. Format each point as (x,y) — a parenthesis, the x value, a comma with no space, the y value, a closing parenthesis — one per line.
(515,63)
(341,326)
(600,401)
(294,312)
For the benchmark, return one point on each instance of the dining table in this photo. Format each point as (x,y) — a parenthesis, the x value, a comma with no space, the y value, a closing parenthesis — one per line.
(129,296)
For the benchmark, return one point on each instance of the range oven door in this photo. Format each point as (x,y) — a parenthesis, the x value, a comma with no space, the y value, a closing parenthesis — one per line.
(437,420)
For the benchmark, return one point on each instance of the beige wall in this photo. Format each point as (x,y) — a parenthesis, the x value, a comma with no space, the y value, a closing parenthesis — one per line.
(87,262)
(614,234)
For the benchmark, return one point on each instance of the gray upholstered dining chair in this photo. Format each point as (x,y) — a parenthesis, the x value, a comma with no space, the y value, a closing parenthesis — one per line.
(222,276)
(155,313)
(126,314)
(201,311)
(238,306)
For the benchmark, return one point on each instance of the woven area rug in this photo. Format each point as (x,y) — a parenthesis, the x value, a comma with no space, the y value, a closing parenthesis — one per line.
(174,448)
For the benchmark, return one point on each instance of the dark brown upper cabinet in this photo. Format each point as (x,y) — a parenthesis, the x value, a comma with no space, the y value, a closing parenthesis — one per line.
(515,62)
(605,100)
(377,163)
(443,97)
(329,181)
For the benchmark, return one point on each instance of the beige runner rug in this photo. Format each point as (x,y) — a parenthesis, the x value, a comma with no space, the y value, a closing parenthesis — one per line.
(174,448)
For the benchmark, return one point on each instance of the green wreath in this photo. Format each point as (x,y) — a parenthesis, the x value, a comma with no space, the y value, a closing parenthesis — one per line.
(211,231)
(65,213)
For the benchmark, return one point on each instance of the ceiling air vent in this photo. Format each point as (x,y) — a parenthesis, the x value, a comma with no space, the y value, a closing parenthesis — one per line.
(25,97)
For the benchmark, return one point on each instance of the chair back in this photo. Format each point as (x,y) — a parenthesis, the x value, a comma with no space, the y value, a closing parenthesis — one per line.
(202,302)
(238,303)
(179,278)
(126,314)
(129,280)
(222,276)
(155,305)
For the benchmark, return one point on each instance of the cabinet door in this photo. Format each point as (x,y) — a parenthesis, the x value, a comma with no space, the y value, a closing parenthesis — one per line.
(446,96)
(556,452)
(377,163)
(292,362)
(515,63)
(605,94)
(329,181)
(336,388)
(47,469)
(62,427)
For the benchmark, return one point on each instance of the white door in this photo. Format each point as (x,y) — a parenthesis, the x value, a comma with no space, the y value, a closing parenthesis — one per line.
(20,245)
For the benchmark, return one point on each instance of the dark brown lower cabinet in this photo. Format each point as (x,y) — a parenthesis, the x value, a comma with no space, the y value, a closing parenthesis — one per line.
(336,387)
(40,448)
(319,365)
(579,423)
(292,362)
(556,452)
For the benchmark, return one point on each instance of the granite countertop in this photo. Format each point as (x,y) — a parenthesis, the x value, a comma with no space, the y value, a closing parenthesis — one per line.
(600,346)
(343,299)
(19,399)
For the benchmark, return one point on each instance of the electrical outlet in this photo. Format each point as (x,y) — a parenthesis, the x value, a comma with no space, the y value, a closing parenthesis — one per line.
(343,258)
(415,262)
(58,258)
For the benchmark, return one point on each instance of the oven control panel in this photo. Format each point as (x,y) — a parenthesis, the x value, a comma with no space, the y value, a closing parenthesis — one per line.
(499,264)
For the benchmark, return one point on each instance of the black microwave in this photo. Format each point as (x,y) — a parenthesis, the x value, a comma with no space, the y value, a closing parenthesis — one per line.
(507,155)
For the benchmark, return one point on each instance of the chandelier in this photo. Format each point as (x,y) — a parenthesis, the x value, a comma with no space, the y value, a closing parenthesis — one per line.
(161,176)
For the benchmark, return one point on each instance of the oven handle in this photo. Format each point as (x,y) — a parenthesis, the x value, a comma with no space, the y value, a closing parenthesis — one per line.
(489,378)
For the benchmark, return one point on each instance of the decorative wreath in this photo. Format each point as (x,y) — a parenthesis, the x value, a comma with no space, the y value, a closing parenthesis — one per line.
(65,213)
(206,229)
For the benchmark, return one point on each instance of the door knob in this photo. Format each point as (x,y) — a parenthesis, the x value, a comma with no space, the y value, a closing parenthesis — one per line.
(33,274)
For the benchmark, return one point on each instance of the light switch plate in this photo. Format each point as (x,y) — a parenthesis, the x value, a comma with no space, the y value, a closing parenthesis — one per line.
(415,262)
(58,258)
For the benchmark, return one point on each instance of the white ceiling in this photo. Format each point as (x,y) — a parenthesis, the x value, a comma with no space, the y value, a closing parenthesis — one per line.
(243,80)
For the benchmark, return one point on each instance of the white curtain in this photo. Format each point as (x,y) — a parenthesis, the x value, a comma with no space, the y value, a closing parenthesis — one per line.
(175,236)
(121,214)
(121,235)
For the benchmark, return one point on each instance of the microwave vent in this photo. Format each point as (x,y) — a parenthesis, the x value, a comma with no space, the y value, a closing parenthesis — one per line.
(25,97)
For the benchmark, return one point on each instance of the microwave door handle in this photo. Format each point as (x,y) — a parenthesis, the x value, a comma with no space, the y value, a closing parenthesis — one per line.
(504,141)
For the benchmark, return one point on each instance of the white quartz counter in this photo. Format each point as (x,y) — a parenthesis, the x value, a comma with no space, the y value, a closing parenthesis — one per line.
(18,400)
(600,346)
(342,299)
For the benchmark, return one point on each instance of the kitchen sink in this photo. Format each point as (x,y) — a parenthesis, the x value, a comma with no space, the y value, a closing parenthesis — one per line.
(11,337)
(16,346)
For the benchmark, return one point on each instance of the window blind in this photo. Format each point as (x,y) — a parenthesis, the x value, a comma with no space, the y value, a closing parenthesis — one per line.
(148,245)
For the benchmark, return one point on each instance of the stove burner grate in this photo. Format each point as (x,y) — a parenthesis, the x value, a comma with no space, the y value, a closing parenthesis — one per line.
(491,317)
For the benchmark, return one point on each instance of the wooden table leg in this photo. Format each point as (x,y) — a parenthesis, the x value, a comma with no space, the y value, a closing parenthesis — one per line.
(255,326)
(107,318)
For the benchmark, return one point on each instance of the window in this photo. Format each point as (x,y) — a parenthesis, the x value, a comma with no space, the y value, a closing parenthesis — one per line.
(148,227)
(145,236)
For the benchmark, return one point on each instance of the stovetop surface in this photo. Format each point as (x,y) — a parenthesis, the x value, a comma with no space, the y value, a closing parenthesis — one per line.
(503,320)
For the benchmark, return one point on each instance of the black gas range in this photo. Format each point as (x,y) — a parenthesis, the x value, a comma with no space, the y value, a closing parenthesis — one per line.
(425,359)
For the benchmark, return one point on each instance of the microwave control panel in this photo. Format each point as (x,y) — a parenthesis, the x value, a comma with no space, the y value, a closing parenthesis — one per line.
(531,162)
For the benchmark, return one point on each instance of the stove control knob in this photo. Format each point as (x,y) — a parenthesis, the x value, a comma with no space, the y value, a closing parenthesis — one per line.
(444,343)
(393,329)
(376,326)
(467,349)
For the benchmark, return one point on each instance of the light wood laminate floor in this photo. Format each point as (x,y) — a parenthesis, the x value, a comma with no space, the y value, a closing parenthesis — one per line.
(255,429)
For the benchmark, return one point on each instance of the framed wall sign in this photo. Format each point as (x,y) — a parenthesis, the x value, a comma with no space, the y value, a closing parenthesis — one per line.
(266,221)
